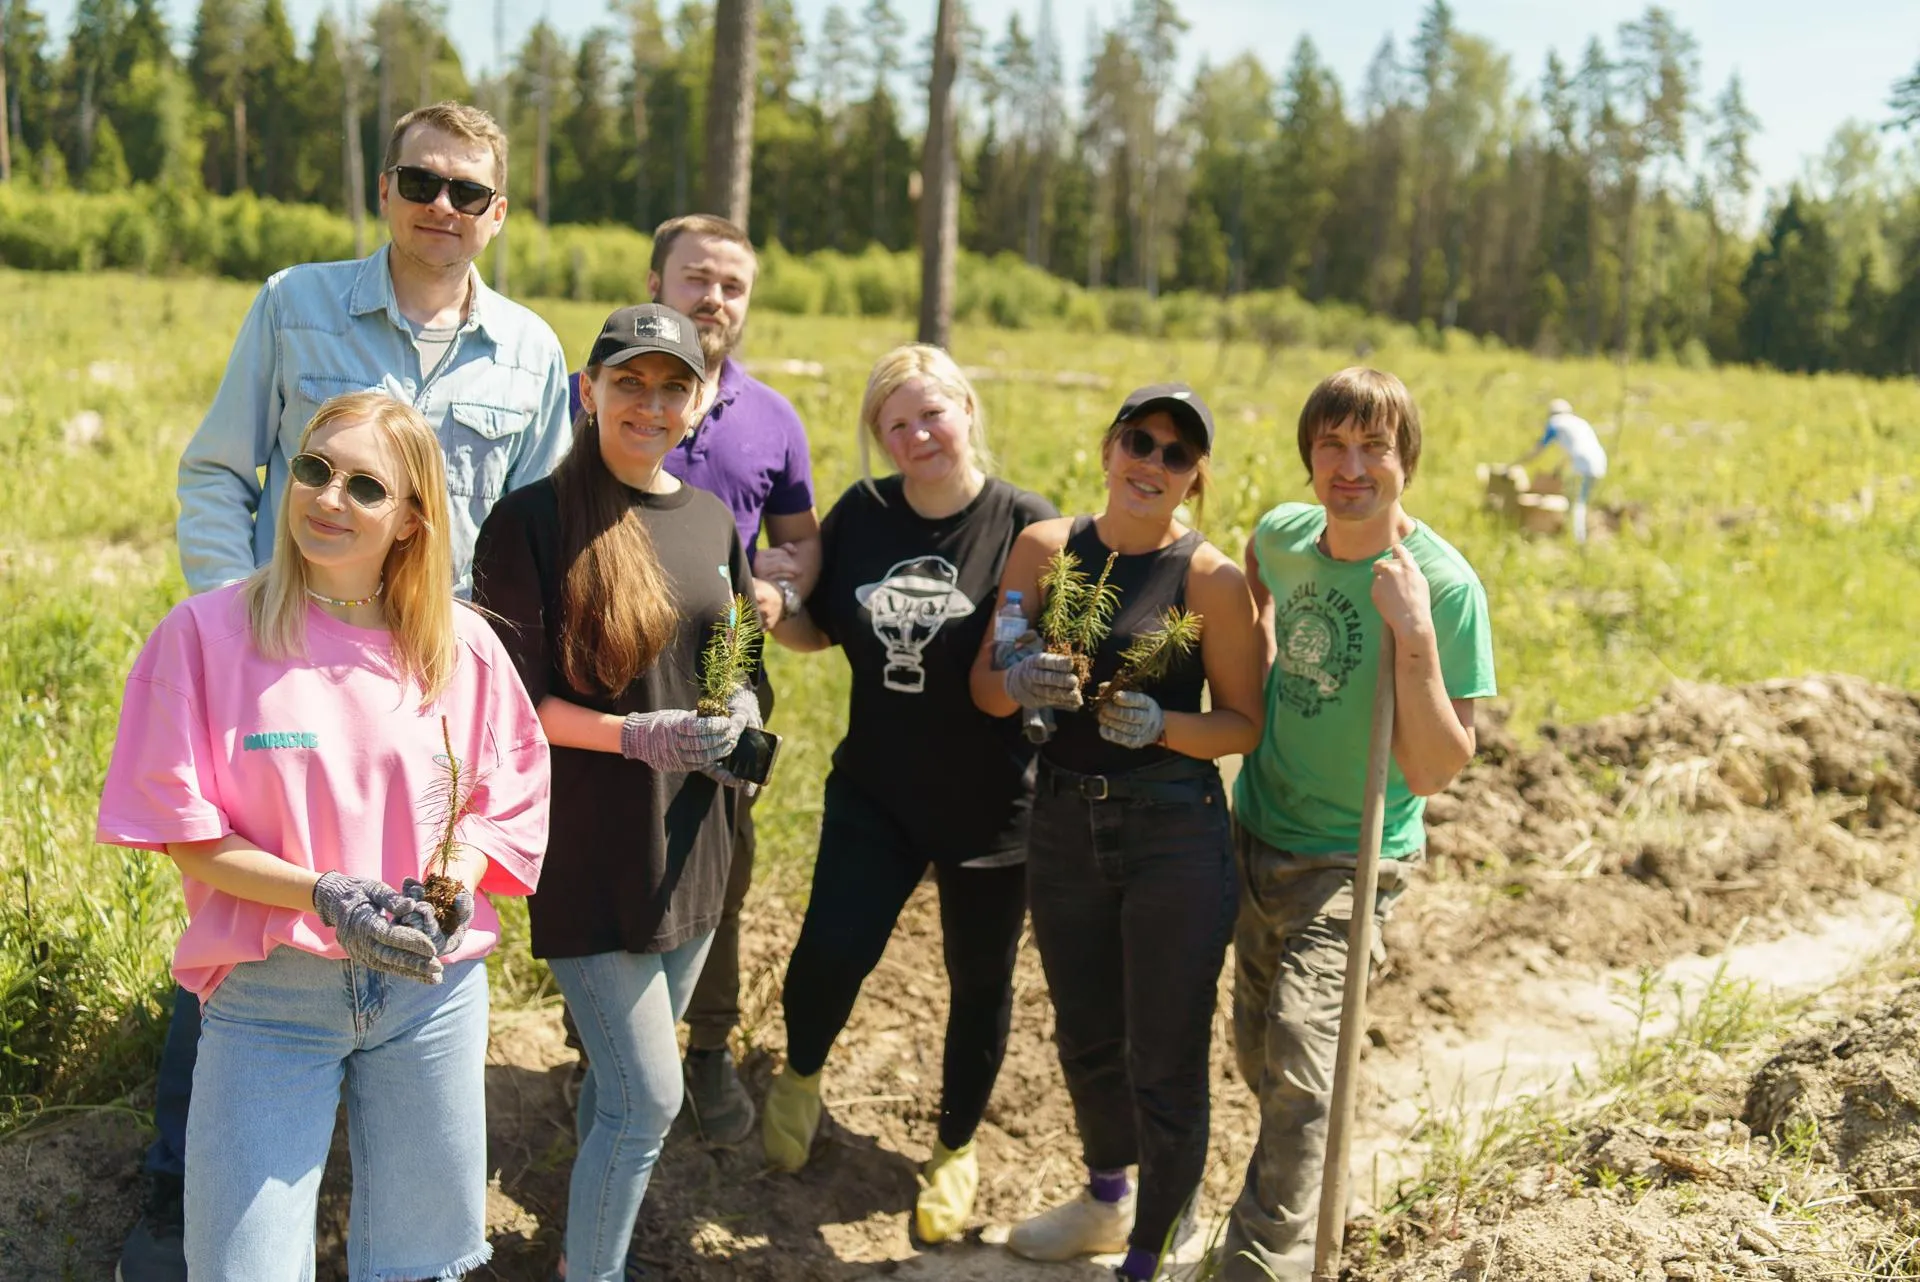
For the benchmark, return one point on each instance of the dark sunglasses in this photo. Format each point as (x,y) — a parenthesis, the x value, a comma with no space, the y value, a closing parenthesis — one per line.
(1175,456)
(316,473)
(423,187)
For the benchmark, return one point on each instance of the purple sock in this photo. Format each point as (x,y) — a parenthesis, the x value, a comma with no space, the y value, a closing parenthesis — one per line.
(1140,1264)
(1107,1186)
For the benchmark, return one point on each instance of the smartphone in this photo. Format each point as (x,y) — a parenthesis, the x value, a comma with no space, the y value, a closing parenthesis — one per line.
(751,760)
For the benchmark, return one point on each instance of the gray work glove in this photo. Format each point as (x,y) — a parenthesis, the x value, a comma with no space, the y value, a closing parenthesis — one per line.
(427,921)
(1044,681)
(1132,719)
(677,739)
(743,710)
(1035,723)
(357,908)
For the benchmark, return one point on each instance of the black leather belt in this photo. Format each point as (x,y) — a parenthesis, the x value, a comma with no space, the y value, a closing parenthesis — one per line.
(1056,782)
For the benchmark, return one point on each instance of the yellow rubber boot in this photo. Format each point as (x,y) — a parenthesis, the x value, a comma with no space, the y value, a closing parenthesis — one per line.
(790,1119)
(948,1183)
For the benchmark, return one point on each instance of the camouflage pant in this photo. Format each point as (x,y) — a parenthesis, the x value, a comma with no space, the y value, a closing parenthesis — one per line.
(1290,957)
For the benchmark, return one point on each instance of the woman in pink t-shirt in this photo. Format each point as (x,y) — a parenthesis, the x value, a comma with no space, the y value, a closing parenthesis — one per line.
(285,740)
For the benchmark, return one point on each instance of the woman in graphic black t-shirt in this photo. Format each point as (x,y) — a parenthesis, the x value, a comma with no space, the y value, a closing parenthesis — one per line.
(1130,871)
(906,590)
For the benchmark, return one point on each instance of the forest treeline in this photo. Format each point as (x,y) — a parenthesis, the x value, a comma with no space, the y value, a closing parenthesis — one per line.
(1598,204)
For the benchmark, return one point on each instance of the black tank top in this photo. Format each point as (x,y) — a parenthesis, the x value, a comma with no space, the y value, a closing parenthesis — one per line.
(1150,583)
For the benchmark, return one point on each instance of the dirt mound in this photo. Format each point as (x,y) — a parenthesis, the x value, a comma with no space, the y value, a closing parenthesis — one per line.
(1818,1180)
(1712,811)
(1849,1097)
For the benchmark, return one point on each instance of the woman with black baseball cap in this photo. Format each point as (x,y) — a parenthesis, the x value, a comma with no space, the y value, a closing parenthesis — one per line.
(606,580)
(1129,863)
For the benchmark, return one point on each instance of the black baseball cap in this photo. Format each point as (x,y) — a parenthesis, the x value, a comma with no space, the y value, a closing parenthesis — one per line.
(1177,399)
(648,327)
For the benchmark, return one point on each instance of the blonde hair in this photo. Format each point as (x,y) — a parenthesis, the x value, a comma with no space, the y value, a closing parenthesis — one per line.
(898,368)
(417,579)
(1202,482)
(465,122)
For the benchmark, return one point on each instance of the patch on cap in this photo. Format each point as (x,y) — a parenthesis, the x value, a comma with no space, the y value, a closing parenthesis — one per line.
(664,328)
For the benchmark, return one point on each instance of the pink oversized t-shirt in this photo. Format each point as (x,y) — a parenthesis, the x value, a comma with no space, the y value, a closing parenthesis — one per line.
(326,760)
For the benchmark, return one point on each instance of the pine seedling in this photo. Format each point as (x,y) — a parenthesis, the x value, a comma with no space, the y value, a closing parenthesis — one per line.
(449,800)
(729,659)
(1061,587)
(1077,614)
(1152,655)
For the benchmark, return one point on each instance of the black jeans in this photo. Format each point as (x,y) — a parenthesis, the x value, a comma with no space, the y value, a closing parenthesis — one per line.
(862,877)
(1133,901)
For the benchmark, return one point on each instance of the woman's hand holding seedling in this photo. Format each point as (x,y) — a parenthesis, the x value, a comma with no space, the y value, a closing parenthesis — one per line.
(743,709)
(1131,719)
(1044,680)
(425,920)
(678,739)
(358,909)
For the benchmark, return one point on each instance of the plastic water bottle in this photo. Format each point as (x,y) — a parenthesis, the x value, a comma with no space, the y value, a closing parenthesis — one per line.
(1009,625)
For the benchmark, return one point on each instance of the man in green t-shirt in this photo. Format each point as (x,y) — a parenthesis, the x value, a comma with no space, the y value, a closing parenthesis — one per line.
(1327,578)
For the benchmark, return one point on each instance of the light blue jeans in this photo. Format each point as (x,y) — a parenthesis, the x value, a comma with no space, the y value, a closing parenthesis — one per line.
(626,1006)
(277,1040)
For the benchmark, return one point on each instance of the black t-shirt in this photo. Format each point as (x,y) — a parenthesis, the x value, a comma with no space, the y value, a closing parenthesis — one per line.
(908,600)
(637,859)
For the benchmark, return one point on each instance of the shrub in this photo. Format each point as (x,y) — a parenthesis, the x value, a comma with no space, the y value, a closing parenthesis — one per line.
(1131,311)
(790,285)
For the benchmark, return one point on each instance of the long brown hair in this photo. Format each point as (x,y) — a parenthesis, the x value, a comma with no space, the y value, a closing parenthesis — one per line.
(616,607)
(417,600)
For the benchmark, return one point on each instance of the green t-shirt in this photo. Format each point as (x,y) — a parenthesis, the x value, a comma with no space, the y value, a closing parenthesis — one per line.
(1300,790)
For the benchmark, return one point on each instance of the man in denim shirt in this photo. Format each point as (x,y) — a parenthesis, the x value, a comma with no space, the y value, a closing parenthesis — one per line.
(415,321)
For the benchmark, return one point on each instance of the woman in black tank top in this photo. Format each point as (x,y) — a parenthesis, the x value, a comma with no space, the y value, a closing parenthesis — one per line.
(1129,864)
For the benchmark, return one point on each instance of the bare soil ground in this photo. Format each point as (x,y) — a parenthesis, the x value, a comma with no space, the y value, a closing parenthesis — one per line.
(1655,838)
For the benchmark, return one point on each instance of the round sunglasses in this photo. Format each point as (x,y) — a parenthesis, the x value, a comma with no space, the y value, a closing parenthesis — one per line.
(1176,456)
(423,187)
(316,473)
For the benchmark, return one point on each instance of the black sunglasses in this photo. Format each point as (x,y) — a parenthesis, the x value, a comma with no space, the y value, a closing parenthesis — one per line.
(1175,456)
(423,187)
(316,473)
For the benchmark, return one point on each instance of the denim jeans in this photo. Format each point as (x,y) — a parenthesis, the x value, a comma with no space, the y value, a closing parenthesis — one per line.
(865,872)
(626,1006)
(1132,902)
(1290,966)
(277,1040)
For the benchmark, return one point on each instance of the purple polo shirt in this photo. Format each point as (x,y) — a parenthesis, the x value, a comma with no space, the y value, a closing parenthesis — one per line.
(750,451)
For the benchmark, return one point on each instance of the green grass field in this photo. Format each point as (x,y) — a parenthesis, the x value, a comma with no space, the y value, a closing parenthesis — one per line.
(1777,532)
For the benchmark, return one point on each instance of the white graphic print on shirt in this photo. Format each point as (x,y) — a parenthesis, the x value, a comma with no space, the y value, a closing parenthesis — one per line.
(908,606)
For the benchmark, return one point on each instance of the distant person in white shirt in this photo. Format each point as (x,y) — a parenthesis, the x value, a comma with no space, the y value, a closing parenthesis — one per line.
(1576,437)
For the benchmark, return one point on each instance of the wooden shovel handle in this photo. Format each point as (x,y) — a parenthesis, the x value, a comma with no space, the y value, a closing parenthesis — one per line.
(1330,1236)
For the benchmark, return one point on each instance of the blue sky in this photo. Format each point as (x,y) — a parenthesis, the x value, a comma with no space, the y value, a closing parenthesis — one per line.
(1806,67)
